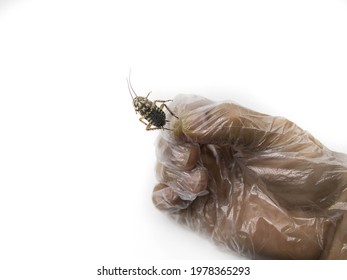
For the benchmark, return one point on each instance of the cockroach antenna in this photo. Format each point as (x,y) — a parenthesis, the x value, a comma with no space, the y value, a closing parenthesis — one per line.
(130,87)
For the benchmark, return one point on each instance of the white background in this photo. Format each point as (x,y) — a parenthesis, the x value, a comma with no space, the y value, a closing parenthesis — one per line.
(76,165)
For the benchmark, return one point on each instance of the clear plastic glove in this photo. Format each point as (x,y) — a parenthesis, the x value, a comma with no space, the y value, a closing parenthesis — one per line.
(257,184)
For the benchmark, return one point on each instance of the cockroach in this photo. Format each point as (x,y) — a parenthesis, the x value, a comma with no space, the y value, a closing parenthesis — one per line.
(149,111)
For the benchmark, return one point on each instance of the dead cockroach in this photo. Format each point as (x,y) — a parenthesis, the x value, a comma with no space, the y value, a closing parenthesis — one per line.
(149,111)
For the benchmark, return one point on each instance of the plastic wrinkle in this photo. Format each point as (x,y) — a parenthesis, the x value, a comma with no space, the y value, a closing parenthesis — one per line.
(256,184)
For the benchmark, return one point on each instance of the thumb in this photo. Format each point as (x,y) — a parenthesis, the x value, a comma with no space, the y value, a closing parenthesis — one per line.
(207,122)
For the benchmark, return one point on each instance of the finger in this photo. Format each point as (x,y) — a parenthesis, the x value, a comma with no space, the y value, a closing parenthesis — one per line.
(204,121)
(165,198)
(183,156)
(187,184)
(216,123)
(228,123)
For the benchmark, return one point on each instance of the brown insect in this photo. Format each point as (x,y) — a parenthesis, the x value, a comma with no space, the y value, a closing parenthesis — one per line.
(149,111)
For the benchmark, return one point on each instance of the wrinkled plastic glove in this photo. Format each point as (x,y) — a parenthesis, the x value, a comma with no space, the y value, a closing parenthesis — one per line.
(257,184)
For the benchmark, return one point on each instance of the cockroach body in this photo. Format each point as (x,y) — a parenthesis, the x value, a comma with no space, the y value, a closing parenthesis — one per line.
(149,111)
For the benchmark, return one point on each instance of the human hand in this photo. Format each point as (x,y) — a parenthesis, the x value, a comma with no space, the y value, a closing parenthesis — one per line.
(257,184)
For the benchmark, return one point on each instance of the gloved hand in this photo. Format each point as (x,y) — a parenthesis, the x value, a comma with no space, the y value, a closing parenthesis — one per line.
(254,183)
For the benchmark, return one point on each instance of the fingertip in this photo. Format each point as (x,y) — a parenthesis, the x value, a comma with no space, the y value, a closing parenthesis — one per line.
(166,199)
(187,184)
(200,176)
(180,156)
(192,158)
